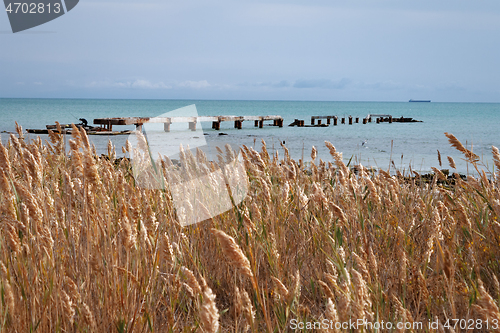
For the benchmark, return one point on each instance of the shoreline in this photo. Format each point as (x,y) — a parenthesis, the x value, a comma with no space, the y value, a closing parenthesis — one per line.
(216,137)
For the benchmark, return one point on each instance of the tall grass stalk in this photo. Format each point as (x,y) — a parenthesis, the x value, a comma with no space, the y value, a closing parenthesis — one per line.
(83,249)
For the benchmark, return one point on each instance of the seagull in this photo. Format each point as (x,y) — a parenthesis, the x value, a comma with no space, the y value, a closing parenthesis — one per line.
(364,142)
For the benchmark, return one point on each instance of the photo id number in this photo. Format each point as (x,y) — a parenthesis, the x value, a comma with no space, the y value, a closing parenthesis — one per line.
(33,8)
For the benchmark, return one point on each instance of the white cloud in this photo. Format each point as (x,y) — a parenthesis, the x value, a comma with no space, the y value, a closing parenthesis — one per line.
(145,84)
(195,84)
(137,84)
(155,85)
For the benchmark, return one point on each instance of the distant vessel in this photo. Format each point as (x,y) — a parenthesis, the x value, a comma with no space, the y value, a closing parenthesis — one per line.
(420,100)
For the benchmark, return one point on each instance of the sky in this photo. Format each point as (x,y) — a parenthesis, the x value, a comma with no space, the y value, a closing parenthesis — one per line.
(329,50)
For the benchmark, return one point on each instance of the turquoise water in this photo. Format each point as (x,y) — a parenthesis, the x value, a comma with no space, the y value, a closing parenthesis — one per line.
(407,144)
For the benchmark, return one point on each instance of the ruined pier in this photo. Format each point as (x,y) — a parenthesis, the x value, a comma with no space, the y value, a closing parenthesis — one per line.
(108,123)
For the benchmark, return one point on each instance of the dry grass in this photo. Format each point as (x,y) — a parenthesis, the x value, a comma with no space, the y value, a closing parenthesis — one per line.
(83,249)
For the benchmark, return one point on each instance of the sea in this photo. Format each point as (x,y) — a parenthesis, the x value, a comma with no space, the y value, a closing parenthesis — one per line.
(402,146)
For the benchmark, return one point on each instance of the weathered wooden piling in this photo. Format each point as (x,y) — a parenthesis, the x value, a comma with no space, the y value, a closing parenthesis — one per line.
(192,121)
(108,125)
(238,121)
(166,126)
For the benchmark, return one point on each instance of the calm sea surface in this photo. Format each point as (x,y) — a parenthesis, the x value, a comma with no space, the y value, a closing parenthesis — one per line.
(406,144)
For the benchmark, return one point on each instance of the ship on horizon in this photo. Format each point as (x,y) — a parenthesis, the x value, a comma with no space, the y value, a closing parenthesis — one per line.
(420,100)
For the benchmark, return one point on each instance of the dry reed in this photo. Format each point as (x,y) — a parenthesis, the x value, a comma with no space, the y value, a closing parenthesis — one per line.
(85,249)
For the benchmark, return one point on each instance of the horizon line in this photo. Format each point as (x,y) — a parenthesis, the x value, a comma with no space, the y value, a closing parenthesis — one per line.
(233,100)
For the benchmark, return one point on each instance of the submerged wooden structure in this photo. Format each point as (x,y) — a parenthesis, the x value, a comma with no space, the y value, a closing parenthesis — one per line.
(68,129)
(316,121)
(108,123)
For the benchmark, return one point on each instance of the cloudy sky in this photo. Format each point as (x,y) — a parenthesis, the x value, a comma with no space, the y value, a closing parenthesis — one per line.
(361,50)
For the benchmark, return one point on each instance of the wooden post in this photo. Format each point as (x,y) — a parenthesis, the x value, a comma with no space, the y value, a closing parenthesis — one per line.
(237,124)
(365,120)
(328,120)
(350,120)
(343,120)
(261,123)
(335,121)
(216,125)
(256,123)
(378,120)
(192,125)
(369,119)
(166,127)
(301,123)
(357,120)
(280,122)
(312,121)
(390,119)
(319,121)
